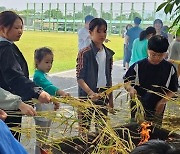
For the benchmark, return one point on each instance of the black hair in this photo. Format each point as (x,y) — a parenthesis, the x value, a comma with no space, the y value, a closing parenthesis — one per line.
(128,25)
(155,147)
(142,35)
(40,53)
(7,19)
(137,20)
(97,22)
(158,44)
(150,30)
(158,21)
(145,33)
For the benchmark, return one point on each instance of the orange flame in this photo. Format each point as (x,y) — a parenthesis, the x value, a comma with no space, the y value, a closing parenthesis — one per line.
(145,132)
(45,151)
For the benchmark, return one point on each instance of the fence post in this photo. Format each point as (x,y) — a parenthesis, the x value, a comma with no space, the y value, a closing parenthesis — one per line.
(111,16)
(34,16)
(120,23)
(132,11)
(74,8)
(101,10)
(57,20)
(65,15)
(154,13)
(27,16)
(49,16)
(42,17)
(143,6)
(92,7)
(82,12)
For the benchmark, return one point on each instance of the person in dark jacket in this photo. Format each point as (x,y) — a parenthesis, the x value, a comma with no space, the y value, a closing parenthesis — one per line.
(151,79)
(94,66)
(14,74)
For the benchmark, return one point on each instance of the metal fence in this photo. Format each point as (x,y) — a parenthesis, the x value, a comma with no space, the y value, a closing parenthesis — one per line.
(70,16)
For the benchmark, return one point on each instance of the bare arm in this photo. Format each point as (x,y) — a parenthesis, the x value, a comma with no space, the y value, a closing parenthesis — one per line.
(130,89)
(27,109)
(3,115)
(94,96)
(8,101)
(62,93)
(161,104)
(84,86)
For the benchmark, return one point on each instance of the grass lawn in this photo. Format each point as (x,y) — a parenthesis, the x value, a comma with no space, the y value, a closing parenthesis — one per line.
(64,45)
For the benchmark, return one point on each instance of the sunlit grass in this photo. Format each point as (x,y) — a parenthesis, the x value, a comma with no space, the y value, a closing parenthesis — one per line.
(64,45)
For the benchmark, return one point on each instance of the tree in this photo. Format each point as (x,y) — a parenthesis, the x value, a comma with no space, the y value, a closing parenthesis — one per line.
(149,17)
(24,12)
(79,15)
(54,13)
(123,17)
(106,15)
(132,15)
(69,16)
(172,7)
(90,10)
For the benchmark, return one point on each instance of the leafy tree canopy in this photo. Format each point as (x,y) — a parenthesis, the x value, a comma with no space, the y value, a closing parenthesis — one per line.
(132,15)
(90,10)
(172,7)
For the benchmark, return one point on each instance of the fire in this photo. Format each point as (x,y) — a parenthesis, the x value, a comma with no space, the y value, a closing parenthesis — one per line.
(45,151)
(145,132)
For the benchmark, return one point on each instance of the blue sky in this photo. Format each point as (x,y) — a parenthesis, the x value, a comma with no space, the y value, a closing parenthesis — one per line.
(21,4)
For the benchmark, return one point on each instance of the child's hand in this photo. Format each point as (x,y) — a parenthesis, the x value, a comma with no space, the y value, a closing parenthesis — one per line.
(67,94)
(94,96)
(27,109)
(44,97)
(132,92)
(3,115)
(62,93)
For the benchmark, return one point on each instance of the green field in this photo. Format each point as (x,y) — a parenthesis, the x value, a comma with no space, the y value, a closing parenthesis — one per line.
(64,45)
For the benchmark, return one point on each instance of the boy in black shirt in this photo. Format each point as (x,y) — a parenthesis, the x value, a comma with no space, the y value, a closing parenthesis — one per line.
(153,73)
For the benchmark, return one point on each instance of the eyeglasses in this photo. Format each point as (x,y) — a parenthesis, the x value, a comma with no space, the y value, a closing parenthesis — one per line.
(153,54)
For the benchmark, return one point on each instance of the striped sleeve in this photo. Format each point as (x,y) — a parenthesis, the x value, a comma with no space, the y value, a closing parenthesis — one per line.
(132,74)
(81,64)
(172,82)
